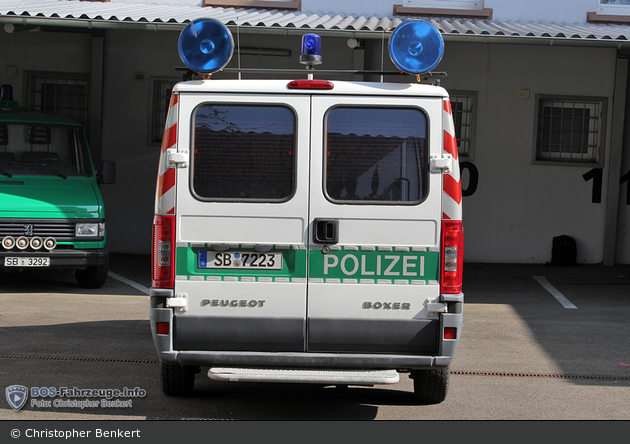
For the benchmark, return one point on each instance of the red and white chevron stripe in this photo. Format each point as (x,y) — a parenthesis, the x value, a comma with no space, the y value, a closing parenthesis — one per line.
(452,186)
(165,189)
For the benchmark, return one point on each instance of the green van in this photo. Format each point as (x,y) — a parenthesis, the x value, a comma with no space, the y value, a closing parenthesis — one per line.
(51,209)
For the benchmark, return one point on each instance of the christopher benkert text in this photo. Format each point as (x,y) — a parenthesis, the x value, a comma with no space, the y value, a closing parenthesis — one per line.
(98,433)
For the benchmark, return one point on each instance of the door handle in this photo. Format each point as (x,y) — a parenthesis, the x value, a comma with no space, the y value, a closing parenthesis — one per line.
(326,231)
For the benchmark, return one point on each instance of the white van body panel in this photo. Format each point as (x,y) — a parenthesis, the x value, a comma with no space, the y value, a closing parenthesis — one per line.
(246,230)
(369,297)
(364,230)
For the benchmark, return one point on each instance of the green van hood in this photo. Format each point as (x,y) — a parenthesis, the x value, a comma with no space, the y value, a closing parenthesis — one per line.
(49,197)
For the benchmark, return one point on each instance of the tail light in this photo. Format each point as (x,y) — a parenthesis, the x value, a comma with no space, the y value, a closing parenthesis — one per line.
(162,328)
(452,256)
(163,252)
(449,332)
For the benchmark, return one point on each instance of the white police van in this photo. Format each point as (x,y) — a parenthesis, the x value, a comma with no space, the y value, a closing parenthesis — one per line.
(308,230)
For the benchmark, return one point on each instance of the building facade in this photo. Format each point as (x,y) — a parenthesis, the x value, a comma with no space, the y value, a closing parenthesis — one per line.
(539,92)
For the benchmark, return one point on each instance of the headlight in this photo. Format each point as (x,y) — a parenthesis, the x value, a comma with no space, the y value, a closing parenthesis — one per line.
(88,230)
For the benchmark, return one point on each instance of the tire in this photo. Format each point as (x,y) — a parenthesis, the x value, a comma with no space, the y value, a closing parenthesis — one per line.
(93,276)
(178,380)
(430,386)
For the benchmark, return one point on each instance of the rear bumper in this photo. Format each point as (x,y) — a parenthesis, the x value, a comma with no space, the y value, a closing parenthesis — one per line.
(61,259)
(443,354)
(306,360)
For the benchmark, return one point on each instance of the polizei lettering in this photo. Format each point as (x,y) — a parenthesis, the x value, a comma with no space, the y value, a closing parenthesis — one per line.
(233,303)
(385,265)
(387,305)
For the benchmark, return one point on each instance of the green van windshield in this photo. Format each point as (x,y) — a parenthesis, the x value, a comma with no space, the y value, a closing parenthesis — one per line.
(40,149)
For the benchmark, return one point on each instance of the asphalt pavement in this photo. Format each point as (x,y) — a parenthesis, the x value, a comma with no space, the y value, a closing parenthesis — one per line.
(539,342)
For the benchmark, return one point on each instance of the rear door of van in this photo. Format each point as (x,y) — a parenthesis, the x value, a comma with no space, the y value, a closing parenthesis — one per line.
(375,212)
(242,219)
(308,223)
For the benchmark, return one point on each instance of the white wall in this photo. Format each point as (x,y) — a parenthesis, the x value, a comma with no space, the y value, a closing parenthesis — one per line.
(126,112)
(623,221)
(519,207)
(25,51)
(553,11)
(559,11)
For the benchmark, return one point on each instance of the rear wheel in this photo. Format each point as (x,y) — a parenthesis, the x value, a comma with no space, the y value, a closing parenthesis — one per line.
(93,276)
(178,380)
(430,386)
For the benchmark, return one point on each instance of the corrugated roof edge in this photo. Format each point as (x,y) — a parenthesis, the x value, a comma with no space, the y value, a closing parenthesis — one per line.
(173,18)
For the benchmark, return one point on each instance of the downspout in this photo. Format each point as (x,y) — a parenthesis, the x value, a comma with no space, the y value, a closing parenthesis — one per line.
(96,98)
(617,142)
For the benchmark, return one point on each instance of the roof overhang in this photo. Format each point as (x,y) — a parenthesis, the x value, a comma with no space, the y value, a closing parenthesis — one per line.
(120,15)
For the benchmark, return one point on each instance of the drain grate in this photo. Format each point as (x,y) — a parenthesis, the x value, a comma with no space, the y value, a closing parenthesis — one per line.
(539,375)
(452,372)
(64,358)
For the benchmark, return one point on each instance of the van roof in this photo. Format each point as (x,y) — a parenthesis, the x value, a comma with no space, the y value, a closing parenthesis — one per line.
(26,115)
(340,87)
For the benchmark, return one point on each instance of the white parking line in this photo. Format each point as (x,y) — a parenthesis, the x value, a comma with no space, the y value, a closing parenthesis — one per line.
(131,283)
(555,293)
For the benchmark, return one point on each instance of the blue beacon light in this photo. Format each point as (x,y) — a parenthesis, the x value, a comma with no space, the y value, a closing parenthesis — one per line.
(311,53)
(416,47)
(6,92)
(6,98)
(206,45)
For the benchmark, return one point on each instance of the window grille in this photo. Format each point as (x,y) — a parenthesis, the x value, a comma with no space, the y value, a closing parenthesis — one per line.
(463,105)
(161,96)
(569,130)
(65,94)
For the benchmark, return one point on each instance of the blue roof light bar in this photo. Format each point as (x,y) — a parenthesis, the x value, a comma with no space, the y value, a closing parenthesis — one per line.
(206,45)
(416,47)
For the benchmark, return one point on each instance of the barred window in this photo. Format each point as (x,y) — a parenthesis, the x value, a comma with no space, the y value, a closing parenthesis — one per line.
(464,107)
(65,94)
(569,130)
(160,98)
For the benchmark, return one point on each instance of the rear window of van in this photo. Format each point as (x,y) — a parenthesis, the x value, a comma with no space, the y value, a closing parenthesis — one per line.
(243,153)
(376,155)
